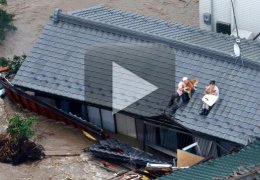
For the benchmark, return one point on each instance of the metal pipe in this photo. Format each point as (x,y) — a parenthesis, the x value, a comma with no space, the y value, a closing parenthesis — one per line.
(231,19)
(256,36)
(191,146)
(7,81)
(234,16)
(184,167)
(159,165)
(212,16)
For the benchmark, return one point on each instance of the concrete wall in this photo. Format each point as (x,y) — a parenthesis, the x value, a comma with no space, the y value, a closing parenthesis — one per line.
(247,14)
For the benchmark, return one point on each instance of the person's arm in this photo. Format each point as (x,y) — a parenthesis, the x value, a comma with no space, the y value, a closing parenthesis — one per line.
(180,88)
(206,90)
(217,92)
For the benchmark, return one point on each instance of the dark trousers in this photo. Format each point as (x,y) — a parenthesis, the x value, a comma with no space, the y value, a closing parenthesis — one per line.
(179,99)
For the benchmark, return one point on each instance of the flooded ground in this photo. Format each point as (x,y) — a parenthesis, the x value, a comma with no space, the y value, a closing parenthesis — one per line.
(67,168)
(31,16)
(54,136)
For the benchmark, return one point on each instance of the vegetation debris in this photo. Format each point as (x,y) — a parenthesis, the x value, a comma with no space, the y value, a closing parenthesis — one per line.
(15,145)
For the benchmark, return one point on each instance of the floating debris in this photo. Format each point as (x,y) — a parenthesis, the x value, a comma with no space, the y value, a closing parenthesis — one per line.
(20,151)
(114,149)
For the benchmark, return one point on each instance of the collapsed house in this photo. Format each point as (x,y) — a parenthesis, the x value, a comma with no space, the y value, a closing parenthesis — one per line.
(70,66)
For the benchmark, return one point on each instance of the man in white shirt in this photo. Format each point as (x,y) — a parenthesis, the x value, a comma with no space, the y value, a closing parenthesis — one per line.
(213,90)
(178,94)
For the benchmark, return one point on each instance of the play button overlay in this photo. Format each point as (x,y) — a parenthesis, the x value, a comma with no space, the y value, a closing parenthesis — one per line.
(127,88)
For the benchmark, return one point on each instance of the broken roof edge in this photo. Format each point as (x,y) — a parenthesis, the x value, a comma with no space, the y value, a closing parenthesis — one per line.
(178,44)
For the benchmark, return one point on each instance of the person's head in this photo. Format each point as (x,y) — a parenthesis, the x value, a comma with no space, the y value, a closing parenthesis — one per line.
(212,84)
(185,80)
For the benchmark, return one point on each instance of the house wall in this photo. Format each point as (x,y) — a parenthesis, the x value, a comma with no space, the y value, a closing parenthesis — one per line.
(139,129)
(108,120)
(134,127)
(164,138)
(94,116)
(126,125)
(207,147)
(46,100)
(247,14)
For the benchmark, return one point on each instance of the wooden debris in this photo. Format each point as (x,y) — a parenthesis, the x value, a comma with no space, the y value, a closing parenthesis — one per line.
(4,69)
(158,172)
(108,169)
(108,164)
(62,153)
(88,136)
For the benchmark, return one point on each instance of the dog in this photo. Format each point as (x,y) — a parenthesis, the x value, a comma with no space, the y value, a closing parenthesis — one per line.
(192,83)
(213,92)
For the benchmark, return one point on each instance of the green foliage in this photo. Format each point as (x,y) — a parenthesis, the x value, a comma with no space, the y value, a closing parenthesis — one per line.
(5,21)
(3,62)
(3,2)
(14,64)
(19,128)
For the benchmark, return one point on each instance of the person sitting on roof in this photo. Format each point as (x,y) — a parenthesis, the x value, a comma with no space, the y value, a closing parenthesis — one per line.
(212,89)
(178,94)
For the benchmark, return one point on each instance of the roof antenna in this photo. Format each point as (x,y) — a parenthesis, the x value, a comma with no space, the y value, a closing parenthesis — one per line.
(234,16)
(237,49)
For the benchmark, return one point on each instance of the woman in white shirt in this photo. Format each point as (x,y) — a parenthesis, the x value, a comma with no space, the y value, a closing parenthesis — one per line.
(213,90)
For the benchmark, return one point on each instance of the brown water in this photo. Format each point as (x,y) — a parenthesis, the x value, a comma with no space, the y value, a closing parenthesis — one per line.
(54,136)
(32,15)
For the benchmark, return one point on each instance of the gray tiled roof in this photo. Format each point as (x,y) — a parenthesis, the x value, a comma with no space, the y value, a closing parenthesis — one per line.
(169,30)
(101,35)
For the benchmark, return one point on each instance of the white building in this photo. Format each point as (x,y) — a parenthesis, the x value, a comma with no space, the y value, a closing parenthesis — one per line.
(247,16)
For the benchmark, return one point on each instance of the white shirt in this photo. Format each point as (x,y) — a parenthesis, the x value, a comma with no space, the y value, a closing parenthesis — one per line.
(181,85)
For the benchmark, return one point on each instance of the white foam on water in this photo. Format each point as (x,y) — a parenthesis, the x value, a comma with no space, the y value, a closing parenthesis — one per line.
(3,129)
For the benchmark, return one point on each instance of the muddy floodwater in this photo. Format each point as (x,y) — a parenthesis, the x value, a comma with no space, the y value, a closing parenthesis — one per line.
(54,136)
(32,15)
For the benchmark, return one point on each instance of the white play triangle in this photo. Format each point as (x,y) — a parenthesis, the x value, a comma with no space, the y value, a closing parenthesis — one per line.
(128,88)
